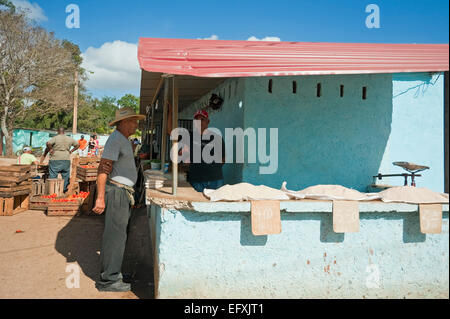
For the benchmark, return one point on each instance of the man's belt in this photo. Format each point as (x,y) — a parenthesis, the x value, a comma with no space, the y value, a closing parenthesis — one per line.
(129,190)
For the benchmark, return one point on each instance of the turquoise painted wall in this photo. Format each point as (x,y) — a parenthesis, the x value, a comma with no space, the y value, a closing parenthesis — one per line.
(212,253)
(417,133)
(333,139)
(229,115)
(21,138)
(321,140)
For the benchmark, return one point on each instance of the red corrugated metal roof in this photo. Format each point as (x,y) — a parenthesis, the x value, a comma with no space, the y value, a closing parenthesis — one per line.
(223,58)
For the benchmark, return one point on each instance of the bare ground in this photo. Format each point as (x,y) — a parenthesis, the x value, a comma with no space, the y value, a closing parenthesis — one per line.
(33,262)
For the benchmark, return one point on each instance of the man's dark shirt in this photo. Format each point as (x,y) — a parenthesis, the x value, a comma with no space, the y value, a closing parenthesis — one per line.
(205,172)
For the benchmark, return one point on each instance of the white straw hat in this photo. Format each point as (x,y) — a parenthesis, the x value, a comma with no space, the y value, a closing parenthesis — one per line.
(126,113)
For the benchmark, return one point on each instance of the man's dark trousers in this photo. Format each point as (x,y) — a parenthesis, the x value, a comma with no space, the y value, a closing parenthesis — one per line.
(60,166)
(117,215)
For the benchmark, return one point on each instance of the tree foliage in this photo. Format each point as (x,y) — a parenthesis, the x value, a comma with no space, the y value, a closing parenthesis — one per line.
(94,116)
(8,4)
(129,100)
(35,69)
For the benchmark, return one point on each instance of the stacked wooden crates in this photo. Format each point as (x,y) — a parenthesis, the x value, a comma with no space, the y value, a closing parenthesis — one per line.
(15,189)
(87,177)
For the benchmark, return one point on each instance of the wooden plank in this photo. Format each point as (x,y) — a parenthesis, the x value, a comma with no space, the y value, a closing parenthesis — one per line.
(8,184)
(62,206)
(430,218)
(15,174)
(345,216)
(87,174)
(88,160)
(15,188)
(7,190)
(16,193)
(16,179)
(184,193)
(265,217)
(84,170)
(15,168)
(62,212)
(87,178)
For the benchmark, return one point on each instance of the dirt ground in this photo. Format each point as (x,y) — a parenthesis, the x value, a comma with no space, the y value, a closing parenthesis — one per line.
(37,262)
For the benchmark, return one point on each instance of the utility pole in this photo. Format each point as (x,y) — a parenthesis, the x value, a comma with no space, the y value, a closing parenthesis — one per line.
(75,104)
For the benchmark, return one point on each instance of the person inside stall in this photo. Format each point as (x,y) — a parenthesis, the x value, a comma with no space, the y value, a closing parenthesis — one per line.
(202,174)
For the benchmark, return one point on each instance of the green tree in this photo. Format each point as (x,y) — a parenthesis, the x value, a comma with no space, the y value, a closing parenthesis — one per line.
(94,116)
(129,100)
(9,5)
(35,69)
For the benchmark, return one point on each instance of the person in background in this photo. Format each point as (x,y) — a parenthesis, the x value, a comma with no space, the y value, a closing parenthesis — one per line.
(59,148)
(82,151)
(27,158)
(91,145)
(136,146)
(97,145)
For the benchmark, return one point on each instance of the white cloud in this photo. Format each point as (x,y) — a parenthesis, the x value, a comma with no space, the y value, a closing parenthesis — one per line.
(212,37)
(253,38)
(32,10)
(115,66)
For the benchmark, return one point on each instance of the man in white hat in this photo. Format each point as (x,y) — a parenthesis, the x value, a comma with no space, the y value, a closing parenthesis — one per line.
(27,158)
(116,177)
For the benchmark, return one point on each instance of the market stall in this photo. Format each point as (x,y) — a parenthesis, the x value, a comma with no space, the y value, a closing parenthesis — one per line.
(297,245)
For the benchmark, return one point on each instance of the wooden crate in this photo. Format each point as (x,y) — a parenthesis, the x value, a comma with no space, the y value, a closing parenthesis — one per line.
(10,189)
(15,173)
(89,202)
(39,203)
(54,186)
(88,160)
(10,206)
(38,187)
(63,209)
(87,174)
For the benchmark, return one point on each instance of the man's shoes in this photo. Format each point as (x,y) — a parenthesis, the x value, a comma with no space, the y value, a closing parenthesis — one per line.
(118,286)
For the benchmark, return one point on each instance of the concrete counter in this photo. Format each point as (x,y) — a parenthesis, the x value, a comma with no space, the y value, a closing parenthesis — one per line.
(207,250)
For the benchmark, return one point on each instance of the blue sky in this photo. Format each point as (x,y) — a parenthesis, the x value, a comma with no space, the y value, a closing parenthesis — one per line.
(110,29)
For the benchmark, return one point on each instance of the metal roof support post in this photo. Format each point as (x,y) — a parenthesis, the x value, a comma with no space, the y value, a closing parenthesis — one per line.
(174,142)
(152,127)
(164,124)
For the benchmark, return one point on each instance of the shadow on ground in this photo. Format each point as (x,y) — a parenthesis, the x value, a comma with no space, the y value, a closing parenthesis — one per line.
(80,241)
